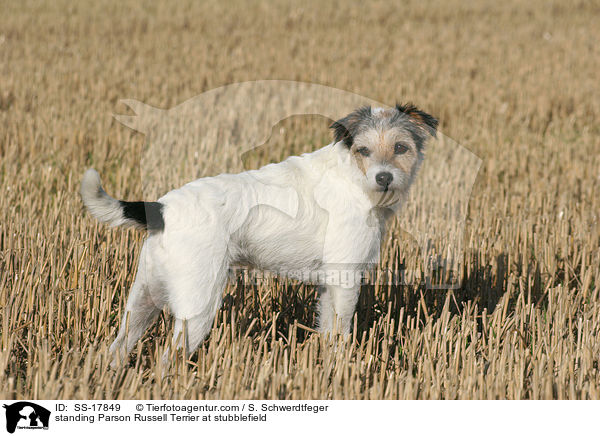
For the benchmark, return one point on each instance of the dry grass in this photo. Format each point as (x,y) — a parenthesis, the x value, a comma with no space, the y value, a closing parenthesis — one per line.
(516,83)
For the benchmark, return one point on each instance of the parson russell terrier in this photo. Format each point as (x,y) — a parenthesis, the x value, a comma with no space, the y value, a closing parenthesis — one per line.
(324,210)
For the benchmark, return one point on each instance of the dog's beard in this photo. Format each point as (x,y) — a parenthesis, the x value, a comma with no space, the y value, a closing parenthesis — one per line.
(385,198)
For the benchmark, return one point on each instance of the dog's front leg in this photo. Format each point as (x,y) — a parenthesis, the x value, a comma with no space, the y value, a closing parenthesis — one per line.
(336,308)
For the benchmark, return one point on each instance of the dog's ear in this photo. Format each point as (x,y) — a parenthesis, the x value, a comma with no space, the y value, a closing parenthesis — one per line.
(345,129)
(340,132)
(422,119)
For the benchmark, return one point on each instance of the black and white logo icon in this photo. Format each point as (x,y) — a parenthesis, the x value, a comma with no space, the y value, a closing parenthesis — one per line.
(26,415)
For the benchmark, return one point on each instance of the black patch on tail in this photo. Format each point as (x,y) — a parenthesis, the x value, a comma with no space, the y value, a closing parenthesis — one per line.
(147,213)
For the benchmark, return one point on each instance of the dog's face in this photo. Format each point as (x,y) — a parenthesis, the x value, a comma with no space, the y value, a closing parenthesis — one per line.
(386,144)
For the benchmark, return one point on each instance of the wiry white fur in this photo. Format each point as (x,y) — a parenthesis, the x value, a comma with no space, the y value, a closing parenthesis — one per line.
(101,205)
(309,212)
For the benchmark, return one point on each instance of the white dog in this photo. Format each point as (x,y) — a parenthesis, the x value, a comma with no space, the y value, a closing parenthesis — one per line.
(323,211)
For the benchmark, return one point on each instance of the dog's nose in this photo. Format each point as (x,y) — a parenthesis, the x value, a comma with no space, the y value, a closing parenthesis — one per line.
(384,179)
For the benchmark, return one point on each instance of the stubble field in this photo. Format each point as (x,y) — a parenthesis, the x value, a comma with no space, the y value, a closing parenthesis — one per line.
(515,83)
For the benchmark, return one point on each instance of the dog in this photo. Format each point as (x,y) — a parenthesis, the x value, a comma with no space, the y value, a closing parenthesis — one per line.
(326,211)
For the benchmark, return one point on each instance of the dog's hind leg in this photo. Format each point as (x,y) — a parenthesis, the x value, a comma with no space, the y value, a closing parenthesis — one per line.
(195,290)
(189,332)
(140,312)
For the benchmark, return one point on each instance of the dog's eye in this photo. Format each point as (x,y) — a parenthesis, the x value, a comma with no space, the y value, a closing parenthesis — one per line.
(364,151)
(400,148)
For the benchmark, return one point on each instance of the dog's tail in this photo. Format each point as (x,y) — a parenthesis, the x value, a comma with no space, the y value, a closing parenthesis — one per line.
(140,214)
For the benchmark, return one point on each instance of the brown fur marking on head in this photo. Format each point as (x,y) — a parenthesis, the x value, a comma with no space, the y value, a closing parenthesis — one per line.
(381,142)
(378,130)
(359,161)
(422,119)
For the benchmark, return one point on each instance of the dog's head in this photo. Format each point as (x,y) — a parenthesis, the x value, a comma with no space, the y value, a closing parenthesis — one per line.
(386,144)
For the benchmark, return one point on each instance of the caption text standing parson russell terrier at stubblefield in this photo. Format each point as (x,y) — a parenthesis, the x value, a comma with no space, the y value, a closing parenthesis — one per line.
(318,211)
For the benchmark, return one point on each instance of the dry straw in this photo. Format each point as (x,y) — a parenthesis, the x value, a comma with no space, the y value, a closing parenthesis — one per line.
(516,83)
